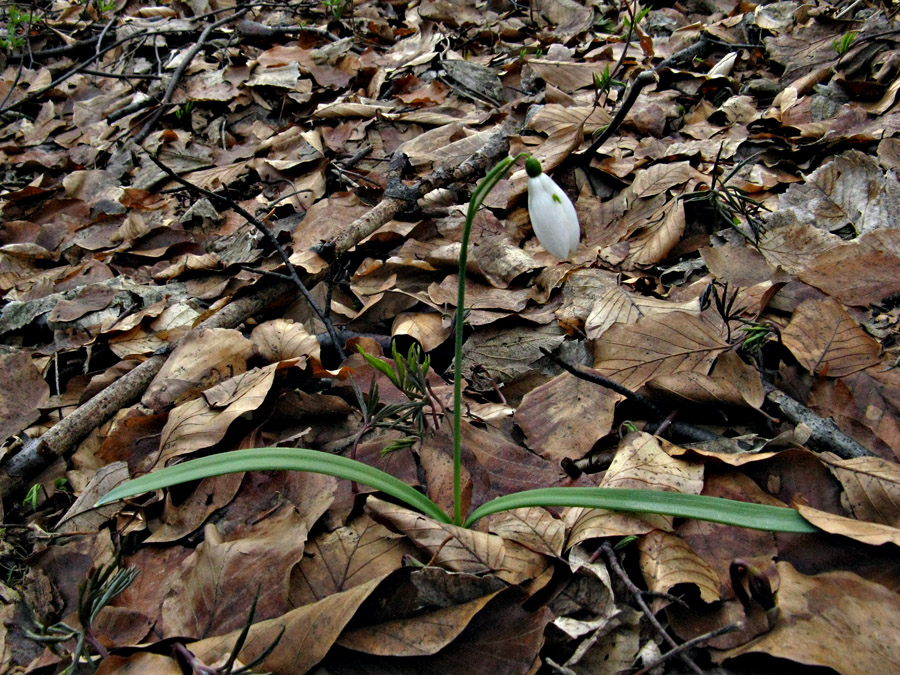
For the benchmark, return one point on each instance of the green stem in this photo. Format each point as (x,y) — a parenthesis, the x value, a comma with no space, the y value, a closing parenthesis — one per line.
(481,191)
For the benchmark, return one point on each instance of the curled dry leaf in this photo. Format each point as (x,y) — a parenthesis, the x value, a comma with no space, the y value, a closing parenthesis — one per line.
(642,464)
(819,616)
(872,487)
(668,560)
(202,423)
(203,359)
(282,339)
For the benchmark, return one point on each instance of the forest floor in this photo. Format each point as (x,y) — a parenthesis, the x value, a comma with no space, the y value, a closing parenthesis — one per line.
(210,209)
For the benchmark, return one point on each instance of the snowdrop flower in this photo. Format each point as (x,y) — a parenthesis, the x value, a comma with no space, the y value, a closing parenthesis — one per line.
(552,214)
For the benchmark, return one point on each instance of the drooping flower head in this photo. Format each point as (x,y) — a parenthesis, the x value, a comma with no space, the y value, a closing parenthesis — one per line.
(552,214)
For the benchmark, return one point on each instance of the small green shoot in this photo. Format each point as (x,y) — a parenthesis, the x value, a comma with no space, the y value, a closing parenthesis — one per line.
(604,81)
(32,496)
(17,23)
(184,109)
(337,7)
(640,16)
(755,335)
(842,46)
(728,202)
(96,592)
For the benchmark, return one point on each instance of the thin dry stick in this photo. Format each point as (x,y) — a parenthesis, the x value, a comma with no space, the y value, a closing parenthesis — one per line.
(693,642)
(68,433)
(285,258)
(613,561)
(684,430)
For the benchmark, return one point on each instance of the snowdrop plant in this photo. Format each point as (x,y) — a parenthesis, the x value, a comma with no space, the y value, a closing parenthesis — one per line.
(556,226)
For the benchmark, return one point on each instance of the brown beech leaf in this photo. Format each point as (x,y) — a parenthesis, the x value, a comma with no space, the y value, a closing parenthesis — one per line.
(732,383)
(861,406)
(618,305)
(827,341)
(874,534)
(851,189)
(668,560)
(658,178)
(507,352)
(655,346)
(211,495)
(141,662)
(654,238)
(507,467)
(461,549)
(859,272)
(309,632)
(428,328)
(871,485)
(347,557)
(641,463)
(205,358)
(199,424)
(22,393)
(420,635)
(455,548)
(217,583)
(533,527)
(821,616)
(501,637)
(564,417)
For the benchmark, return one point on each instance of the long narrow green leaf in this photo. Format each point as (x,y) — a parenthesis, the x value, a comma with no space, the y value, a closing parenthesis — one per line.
(278,459)
(726,511)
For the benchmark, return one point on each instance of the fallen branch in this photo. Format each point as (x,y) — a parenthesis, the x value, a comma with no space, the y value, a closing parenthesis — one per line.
(825,434)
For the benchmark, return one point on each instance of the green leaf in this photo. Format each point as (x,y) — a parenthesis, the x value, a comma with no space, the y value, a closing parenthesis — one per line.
(380,365)
(278,459)
(714,509)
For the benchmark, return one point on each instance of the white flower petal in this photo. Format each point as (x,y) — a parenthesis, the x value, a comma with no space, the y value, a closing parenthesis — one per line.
(553,216)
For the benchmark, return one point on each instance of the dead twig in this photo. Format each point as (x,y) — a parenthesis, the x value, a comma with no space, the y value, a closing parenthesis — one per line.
(825,434)
(687,431)
(638,596)
(693,642)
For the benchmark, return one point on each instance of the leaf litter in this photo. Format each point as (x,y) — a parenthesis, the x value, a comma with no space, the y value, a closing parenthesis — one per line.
(737,273)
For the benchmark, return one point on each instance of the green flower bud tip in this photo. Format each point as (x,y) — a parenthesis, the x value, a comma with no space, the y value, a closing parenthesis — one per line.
(533,167)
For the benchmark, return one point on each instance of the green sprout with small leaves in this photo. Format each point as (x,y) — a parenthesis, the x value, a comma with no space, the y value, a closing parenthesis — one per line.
(842,45)
(32,496)
(640,16)
(604,81)
(17,23)
(102,585)
(184,110)
(337,7)
(728,202)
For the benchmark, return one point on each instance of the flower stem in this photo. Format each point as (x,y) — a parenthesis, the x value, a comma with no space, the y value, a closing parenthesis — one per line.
(481,191)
